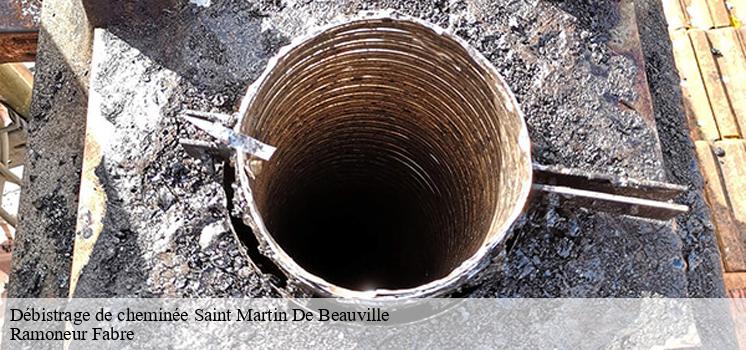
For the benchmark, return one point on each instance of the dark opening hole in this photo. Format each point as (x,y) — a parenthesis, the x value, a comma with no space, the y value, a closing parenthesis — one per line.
(361,237)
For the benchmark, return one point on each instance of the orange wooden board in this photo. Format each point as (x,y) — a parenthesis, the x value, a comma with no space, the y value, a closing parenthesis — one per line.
(732,66)
(733,168)
(729,234)
(699,113)
(698,13)
(675,15)
(713,84)
(718,13)
(735,283)
(742,38)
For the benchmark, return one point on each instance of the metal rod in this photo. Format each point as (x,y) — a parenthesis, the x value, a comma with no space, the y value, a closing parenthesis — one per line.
(610,193)
(592,181)
(615,204)
(227,136)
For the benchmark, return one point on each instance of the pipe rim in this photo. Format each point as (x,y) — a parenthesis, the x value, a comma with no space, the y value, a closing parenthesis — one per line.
(459,275)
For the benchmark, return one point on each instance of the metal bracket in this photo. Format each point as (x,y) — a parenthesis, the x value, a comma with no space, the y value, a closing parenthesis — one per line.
(202,149)
(609,193)
(226,138)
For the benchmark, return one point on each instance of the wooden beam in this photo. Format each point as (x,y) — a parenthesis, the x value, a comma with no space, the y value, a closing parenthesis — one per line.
(15,87)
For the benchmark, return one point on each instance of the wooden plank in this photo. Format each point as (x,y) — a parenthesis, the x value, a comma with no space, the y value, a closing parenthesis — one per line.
(696,104)
(735,284)
(675,15)
(732,65)
(742,38)
(730,240)
(718,13)
(698,13)
(713,84)
(733,167)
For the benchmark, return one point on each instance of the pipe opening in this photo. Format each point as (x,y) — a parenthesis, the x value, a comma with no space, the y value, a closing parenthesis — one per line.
(398,154)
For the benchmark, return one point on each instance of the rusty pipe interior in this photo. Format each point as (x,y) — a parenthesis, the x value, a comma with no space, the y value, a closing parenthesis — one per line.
(401,154)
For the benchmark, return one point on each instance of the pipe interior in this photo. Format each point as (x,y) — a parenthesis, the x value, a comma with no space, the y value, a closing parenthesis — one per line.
(397,155)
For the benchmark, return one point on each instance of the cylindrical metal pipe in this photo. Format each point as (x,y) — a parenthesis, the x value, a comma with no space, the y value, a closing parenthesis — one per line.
(402,159)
